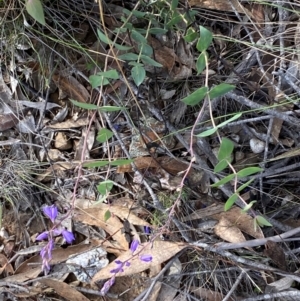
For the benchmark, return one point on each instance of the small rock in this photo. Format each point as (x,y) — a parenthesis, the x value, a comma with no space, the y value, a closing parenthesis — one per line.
(62,142)
(257,146)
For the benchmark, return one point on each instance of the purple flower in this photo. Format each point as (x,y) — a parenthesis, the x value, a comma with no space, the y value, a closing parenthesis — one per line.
(68,236)
(119,267)
(134,245)
(107,285)
(146,258)
(42,236)
(147,230)
(51,212)
(46,254)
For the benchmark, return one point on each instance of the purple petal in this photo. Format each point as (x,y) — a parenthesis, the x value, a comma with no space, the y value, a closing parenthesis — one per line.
(147,230)
(127,263)
(146,258)
(42,236)
(119,268)
(134,244)
(51,212)
(107,285)
(68,236)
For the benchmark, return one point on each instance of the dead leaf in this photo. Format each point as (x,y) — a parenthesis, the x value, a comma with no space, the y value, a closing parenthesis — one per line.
(71,87)
(160,251)
(58,255)
(64,290)
(276,253)
(227,231)
(209,295)
(122,212)
(241,220)
(96,217)
(68,124)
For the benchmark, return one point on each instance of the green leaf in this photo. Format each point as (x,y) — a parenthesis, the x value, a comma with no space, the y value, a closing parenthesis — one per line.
(248,171)
(105,187)
(191,35)
(36,11)
(135,64)
(176,18)
(109,74)
(104,135)
(128,56)
(174,4)
(82,105)
(207,132)
(248,206)
(229,203)
(95,164)
(103,37)
(138,74)
(261,221)
(149,61)
(110,109)
(122,47)
(121,162)
(195,97)
(244,185)
(201,62)
(138,37)
(205,39)
(97,81)
(221,166)
(238,115)
(220,90)
(223,181)
(145,49)
(157,31)
(107,215)
(226,149)
(138,14)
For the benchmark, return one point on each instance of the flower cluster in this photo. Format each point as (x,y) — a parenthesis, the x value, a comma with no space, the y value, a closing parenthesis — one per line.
(46,253)
(121,264)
